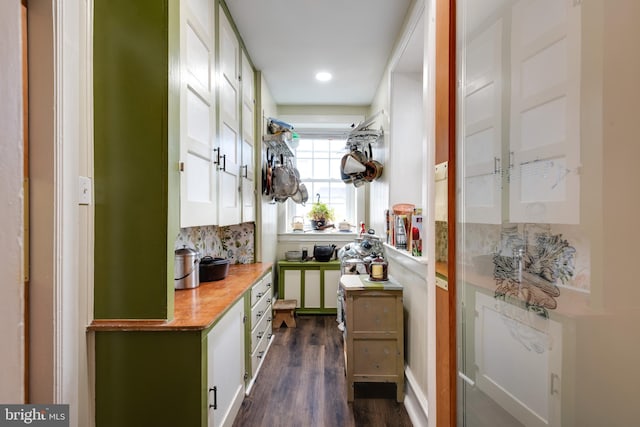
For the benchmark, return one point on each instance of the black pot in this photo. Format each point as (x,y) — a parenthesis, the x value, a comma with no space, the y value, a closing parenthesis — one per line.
(212,269)
(324,252)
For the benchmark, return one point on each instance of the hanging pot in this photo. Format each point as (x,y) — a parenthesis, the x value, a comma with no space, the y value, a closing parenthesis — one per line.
(284,180)
(373,168)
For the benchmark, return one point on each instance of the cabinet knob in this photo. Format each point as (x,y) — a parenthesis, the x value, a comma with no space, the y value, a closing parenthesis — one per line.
(259,314)
(260,354)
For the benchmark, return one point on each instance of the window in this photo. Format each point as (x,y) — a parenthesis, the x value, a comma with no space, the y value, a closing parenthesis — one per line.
(318,161)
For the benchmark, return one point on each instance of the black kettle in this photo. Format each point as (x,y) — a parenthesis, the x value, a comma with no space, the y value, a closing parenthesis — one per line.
(323,253)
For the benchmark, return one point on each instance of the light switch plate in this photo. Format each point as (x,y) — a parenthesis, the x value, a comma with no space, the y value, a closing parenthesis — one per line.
(84,190)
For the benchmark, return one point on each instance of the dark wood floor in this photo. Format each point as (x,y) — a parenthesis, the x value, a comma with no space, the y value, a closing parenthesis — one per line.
(302,383)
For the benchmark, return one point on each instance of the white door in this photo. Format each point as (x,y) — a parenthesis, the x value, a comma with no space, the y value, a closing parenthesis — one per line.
(229,181)
(545,112)
(197,114)
(225,356)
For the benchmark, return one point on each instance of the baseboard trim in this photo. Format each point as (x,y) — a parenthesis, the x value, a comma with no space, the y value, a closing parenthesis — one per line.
(415,402)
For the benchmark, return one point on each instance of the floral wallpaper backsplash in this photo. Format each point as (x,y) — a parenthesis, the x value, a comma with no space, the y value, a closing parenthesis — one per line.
(234,242)
(442,241)
(482,242)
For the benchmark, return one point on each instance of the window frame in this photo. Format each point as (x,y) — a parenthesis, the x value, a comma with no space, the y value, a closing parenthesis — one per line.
(351,195)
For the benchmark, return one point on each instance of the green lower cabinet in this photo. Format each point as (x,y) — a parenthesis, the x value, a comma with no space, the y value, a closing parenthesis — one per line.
(313,284)
(172,378)
(149,378)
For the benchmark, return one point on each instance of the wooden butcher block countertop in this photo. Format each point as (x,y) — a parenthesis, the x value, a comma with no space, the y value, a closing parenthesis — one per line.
(198,308)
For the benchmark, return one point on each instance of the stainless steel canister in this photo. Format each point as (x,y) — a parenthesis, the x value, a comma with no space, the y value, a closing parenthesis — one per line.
(186,271)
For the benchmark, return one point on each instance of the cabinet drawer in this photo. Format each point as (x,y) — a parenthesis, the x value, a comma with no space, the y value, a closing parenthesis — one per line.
(258,354)
(260,289)
(374,314)
(375,357)
(261,308)
(262,329)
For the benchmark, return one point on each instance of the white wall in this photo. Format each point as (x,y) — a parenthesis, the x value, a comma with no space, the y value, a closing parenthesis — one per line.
(414,275)
(11,206)
(608,342)
(61,230)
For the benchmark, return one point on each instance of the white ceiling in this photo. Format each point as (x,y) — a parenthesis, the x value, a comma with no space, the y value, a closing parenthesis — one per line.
(289,41)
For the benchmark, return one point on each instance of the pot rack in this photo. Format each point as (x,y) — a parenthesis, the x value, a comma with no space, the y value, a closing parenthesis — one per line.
(361,134)
(279,143)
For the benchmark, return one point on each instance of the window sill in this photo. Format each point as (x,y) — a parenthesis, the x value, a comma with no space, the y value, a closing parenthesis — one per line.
(317,236)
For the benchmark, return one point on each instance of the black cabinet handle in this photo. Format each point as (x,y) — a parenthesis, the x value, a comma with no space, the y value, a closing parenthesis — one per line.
(224,163)
(215,397)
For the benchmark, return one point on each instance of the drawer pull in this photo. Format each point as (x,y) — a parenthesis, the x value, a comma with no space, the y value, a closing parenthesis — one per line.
(260,354)
(269,300)
(215,397)
(260,313)
(260,334)
(259,295)
(268,285)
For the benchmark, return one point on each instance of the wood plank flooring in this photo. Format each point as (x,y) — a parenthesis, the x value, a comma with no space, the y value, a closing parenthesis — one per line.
(302,384)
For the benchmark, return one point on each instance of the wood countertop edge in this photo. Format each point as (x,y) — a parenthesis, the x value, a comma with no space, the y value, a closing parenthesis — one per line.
(194,309)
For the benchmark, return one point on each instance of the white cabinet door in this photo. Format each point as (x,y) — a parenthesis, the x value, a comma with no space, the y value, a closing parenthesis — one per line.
(293,286)
(225,356)
(312,289)
(482,127)
(248,142)
(229,181)
(545,112)
(198,199)
(331,283)
(519,361)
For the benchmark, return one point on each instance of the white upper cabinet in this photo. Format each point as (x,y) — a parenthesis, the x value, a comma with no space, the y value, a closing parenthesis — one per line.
(248,142)
(545,112)
(482,127)
(229,178)
(520,115)
(198,202)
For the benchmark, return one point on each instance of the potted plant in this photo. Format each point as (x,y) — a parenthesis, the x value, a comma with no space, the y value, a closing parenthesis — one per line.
(320,214)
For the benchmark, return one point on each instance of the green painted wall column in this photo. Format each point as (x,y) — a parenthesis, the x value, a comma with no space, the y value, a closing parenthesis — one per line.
(136,150)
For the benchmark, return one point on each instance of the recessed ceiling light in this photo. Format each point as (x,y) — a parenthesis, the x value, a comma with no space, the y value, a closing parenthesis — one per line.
(323,76)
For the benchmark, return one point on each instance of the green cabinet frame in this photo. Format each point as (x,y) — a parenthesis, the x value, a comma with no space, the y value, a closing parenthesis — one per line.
(305,266)
(136,147)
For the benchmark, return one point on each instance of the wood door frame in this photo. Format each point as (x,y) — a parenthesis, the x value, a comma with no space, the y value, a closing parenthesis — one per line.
(25,148)
(445,131)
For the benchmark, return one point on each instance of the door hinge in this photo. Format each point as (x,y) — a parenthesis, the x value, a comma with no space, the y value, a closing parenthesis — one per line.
(246,376)
(244,318)
(181,166)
